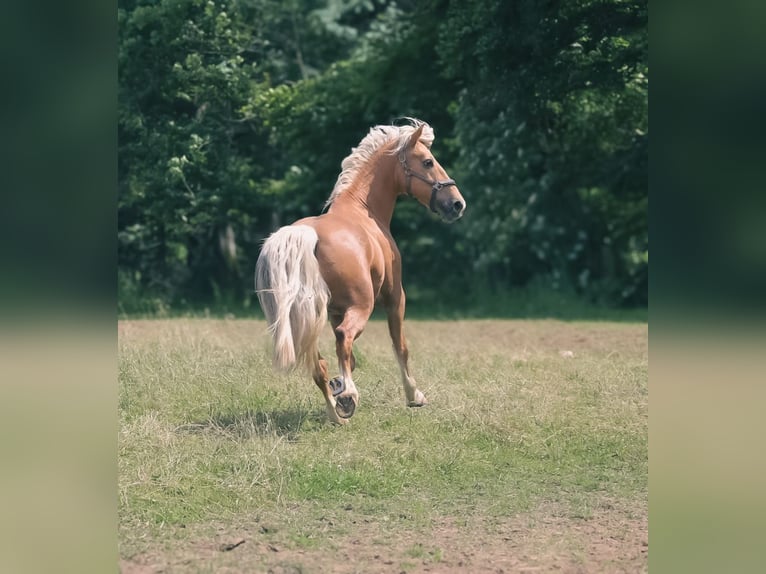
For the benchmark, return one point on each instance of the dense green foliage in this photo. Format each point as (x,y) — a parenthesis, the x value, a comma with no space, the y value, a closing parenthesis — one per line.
(236,114)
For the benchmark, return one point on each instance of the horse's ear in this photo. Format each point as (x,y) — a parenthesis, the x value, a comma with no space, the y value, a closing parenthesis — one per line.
(415,136)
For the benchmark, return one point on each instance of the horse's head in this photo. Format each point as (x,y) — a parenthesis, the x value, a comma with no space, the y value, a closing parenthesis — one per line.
(431,186)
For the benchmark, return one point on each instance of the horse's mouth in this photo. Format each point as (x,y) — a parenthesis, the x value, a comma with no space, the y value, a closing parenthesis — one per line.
(451,217)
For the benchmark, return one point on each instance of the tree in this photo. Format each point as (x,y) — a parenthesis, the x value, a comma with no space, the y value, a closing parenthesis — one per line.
(196,164)
(553,128)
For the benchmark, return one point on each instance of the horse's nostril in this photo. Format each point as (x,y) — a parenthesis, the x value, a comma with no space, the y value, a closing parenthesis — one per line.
(457,206)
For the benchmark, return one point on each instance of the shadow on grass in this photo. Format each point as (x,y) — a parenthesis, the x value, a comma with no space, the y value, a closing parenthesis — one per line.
(286,423)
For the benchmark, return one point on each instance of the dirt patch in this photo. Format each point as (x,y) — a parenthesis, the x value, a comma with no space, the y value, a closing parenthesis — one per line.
(546,540)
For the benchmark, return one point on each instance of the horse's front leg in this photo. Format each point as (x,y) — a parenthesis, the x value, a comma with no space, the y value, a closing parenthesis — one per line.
(395,310)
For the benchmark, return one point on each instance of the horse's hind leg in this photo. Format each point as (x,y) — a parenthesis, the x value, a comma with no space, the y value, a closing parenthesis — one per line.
(395,310)
(322,380)
(347,328)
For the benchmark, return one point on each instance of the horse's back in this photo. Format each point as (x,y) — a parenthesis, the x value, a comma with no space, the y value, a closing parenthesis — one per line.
(352,258)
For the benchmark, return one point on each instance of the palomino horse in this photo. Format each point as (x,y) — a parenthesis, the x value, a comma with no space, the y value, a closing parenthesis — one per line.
(343,261)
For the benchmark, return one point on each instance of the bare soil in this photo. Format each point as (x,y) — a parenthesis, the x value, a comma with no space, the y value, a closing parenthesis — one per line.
(609,540)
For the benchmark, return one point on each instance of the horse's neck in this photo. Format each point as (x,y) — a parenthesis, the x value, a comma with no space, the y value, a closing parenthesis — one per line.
(374,191)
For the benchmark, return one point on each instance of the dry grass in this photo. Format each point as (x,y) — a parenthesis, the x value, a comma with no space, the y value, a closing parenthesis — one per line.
(536,432)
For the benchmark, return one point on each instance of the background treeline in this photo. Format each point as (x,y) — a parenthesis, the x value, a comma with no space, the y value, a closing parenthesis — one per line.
(234,116)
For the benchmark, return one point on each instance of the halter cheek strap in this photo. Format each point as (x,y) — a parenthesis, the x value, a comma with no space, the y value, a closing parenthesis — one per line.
(436,184)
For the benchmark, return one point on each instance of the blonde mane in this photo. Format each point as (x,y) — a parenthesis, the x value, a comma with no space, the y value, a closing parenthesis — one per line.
(377,138)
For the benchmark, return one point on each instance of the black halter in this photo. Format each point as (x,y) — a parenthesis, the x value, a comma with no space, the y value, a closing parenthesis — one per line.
(436,185)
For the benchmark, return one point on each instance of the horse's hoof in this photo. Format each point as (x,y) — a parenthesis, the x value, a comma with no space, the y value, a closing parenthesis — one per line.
(418,401)
(345,407)
(337,386)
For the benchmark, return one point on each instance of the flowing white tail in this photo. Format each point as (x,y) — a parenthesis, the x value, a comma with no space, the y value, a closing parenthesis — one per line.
(293,295)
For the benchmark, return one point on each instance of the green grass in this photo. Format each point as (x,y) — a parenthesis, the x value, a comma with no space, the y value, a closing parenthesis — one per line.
(209,434)
(536,301)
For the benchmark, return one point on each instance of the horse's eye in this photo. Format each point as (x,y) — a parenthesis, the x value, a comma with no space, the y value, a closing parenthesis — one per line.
(429,163)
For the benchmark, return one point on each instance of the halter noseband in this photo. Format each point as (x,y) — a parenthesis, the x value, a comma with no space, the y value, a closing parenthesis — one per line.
(436,184)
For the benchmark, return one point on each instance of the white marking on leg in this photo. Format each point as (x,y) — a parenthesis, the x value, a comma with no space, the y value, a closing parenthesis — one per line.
(350,389)
(413,395)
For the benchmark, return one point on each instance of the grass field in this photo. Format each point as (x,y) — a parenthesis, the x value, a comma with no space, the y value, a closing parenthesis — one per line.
(531,456)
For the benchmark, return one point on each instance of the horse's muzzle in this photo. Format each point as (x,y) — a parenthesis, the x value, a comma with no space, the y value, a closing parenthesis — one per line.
(450,208)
